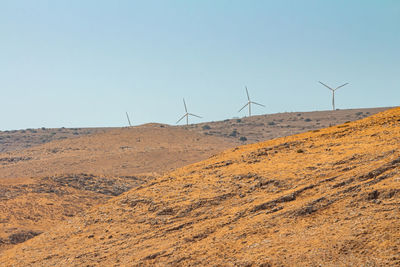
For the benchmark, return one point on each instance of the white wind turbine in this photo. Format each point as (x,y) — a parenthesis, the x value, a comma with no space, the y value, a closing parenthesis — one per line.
(129,121)
(333,92)
(187,114)
(249,102)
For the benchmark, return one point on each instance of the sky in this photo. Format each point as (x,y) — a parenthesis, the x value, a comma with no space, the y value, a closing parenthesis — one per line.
(74,63)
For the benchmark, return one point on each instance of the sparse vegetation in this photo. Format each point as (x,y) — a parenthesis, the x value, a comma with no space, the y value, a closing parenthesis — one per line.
(243,139)
(206,127)
(268,191)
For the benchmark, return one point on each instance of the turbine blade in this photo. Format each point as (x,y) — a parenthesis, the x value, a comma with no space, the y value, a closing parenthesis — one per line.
(191,114)
(247,92)
(326,86)
(184,103)
(129,121)
(341,86)
(243,107)
(181,118)
(258,104)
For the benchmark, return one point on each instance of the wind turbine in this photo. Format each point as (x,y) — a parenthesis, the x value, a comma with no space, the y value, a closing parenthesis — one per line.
(333,92)
(249,102)
(187,114)
(129,121)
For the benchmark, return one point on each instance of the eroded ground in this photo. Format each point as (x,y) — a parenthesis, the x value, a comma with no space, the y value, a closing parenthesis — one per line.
(327,197)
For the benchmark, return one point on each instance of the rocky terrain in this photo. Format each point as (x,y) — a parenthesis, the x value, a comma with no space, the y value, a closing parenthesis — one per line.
(246,130)
(45,184)
(260,128)
(147,149)
(29,207)
(22,139)
(327,197)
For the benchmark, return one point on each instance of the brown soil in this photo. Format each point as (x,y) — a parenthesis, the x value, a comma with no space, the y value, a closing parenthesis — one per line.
(326,197)
(266,127)
(255,129)
(49,183)
(147,149)
(22,139)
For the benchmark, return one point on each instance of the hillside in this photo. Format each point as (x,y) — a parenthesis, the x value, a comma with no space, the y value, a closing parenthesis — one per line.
(255,128)
(22,139)
(46,184)
(269,126)
(328,197)
(147,149)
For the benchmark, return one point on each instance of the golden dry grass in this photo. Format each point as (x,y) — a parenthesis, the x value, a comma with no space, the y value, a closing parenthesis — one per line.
(44,185)
(322,198)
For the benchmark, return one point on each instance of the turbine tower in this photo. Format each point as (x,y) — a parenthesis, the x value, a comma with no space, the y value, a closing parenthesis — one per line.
(187,114)
(249,102)
(129,121)
(333,92)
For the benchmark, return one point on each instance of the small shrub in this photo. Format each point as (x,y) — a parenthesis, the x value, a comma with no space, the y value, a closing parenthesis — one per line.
(206,127)
(271,123)
(238,120)
(243,138)
(234,133)
(307,120)
(359,113)
(300,150)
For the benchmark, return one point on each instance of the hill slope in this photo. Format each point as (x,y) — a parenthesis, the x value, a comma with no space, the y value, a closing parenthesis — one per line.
(255,129)
(45,184)
(265,127)
(326,197)
(23,139)
(151,148)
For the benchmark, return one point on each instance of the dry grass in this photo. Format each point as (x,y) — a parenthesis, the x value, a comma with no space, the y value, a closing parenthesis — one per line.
(336,203)
(46,184)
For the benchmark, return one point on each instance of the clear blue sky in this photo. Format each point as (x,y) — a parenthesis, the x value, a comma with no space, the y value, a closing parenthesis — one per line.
(76,63)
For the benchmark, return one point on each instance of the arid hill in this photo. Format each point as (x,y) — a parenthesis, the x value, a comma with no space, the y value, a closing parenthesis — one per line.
(254,129)
(260,128)
(22,139)
(328,197)
(46,184)
(147,149)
